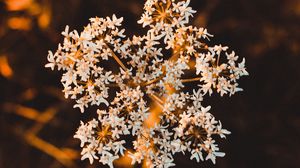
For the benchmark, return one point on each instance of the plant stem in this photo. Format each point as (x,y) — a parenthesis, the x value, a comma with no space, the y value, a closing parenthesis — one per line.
(156,99)
(152,81)
(117,58)
(190,80)
(119,61)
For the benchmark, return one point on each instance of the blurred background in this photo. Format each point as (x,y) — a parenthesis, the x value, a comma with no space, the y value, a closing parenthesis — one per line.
(37,124)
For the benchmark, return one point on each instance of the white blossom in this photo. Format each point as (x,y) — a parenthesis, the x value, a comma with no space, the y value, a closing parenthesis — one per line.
(147,70)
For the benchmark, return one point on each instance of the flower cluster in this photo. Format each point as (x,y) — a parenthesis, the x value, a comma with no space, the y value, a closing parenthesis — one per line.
(79,55)
(153,69)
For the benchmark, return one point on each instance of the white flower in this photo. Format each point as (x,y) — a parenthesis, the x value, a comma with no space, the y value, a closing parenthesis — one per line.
(51,60)
(145,20)
(88,153)
(108,158)
(119,148)
(197,155)
(152,70)
(220,48)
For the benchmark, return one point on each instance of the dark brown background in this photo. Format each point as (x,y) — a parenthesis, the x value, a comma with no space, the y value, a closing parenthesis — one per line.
(264,119)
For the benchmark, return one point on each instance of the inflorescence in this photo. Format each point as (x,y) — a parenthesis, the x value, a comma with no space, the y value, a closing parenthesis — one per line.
(153,68)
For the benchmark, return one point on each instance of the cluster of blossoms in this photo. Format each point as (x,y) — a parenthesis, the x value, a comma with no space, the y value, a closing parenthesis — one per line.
(152,69)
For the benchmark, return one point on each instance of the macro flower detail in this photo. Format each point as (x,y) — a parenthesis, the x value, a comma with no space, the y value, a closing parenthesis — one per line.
(152,71)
